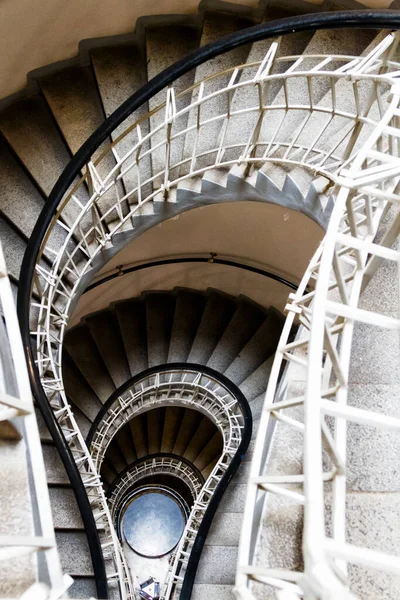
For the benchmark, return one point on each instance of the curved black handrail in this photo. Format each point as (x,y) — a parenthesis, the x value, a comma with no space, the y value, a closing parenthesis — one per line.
(366,19)
(200,539)
(177,261)
(124,471)
(74,476)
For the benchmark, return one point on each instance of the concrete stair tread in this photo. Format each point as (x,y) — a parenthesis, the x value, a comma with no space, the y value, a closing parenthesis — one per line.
(131,315)
(83,351)
(172,423)
(159,317)
(64,509)
(204,591)
(74,553)
(225,530)
(257,350)
(164,47)
(55,472)
(189,307)
(120,71)
(246,320)
(78,390)
(73,98)
(106,334)
(217,313)
(83,587)
(31,120)
(217,565)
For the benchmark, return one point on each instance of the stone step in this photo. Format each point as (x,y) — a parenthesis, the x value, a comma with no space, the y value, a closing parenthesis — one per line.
(83,587)
(189,308)
(164,47)
(74,553)
(243,325)
(159,316)
(131,315)
(105,331)
(55,471)
(83,351)
(225,530)
(217,565)
(259,348)
(218,311)
(201,438)
(64,509)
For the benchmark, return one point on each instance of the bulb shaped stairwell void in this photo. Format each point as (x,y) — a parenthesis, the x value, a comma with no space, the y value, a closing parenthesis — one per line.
(293,165)
(234,337)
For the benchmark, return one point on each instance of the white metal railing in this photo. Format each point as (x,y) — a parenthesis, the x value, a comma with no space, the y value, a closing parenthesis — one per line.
(352,249)
(275,124)
(157,465)
(16,407)
(172,387)
(178,387)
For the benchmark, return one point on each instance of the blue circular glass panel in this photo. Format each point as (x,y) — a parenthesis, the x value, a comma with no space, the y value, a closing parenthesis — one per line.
(153,523)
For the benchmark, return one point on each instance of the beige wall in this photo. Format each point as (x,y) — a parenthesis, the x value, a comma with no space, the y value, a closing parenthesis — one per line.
(269,236)
(35,33)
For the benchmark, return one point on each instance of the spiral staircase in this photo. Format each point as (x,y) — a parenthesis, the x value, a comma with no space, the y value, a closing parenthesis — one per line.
(166,387)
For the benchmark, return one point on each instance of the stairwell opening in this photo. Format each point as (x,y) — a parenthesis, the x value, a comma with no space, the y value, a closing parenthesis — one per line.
(167,443)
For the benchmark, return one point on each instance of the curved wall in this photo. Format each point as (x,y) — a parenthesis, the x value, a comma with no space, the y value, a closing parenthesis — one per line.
(36,33)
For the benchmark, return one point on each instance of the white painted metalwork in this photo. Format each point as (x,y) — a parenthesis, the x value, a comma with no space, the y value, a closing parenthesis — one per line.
(177,387)
(320,135)
(366,188)
(173,387)
(16,409)
(158,465)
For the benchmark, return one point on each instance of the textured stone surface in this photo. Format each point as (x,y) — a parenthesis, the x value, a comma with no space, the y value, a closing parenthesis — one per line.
(258,349)
(375,355)
(78,390)
(234,498)
(105,331)
(131,317)
(217,565)
(165,46)
(43,431)
(45,155)
(55,471)
(367,446)
(244,323)
(83,351)
(15,517)
(189,308)
(225,530)
(65,509)
(202,591)
(159,316)
(216,316)
(373,523)
(280,541)
(74,553)
(83,587)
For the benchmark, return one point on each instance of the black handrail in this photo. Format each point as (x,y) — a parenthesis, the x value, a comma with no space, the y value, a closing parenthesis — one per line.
(74,476)
(205,524)
(357,19)
(197,259)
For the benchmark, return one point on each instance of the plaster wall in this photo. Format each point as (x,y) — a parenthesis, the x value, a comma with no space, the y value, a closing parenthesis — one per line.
(268,236)
(36,33)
